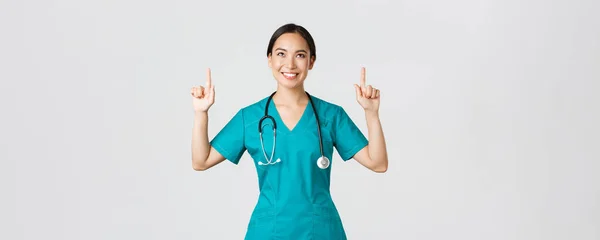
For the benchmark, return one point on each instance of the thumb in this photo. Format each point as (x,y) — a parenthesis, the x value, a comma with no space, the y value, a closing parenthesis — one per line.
(358,91)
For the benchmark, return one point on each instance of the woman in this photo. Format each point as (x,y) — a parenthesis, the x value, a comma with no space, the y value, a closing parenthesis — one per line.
(293,165)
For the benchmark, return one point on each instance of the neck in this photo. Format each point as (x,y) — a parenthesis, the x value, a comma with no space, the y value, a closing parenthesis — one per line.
(290,96)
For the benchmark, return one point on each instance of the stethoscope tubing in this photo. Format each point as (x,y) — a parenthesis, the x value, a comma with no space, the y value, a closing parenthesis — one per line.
(267,116)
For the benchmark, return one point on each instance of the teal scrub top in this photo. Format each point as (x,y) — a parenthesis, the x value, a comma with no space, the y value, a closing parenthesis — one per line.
(294,200)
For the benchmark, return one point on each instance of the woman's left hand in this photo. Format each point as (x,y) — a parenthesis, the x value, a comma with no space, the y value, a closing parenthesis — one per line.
(366,95)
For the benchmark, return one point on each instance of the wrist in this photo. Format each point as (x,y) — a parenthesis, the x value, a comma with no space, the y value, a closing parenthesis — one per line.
(371,113)
(200,113)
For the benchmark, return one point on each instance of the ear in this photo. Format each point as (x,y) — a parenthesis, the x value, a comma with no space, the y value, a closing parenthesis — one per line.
(269,61)
(312,63)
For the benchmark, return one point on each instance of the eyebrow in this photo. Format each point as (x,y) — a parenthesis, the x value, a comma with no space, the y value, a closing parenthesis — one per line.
(281,49)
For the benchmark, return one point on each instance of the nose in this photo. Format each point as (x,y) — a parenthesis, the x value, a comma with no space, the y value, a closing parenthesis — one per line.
(290,63)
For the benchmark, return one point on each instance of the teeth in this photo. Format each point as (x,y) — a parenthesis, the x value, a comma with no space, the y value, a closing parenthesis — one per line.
(290,74)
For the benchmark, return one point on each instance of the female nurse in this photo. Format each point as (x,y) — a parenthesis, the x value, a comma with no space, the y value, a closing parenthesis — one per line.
(292,148)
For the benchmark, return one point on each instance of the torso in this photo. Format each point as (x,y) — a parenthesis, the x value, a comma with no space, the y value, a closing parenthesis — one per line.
(294,195)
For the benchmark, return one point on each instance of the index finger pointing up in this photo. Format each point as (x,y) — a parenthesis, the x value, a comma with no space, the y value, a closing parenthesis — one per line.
(208,78)
(363,77)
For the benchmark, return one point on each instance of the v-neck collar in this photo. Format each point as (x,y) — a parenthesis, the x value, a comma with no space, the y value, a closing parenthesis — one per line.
(281,127)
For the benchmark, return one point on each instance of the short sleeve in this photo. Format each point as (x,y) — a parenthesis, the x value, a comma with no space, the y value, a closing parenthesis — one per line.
(229,142)
(348,139)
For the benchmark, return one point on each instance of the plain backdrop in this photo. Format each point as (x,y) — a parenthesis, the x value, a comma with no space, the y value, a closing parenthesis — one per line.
(490,110)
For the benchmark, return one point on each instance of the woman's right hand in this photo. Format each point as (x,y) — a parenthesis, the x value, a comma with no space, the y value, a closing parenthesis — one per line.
(203,97)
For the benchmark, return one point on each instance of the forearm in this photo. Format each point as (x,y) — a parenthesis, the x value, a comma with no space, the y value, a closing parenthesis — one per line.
(200,143)
(377,147)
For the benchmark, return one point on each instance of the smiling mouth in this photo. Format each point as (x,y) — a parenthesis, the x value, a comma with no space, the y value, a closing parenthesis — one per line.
(289,76)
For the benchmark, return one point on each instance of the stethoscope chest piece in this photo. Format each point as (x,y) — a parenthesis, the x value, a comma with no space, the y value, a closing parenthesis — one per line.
(323,162)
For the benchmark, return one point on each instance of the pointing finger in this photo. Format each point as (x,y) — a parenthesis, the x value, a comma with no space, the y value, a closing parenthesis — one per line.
(208,78)
(363,76)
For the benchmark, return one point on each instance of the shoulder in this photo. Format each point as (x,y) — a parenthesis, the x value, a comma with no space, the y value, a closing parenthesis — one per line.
(327,110)
(252,113)
(257,105)
(324,105)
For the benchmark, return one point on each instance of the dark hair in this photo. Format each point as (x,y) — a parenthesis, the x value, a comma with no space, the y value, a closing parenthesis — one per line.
(293,28)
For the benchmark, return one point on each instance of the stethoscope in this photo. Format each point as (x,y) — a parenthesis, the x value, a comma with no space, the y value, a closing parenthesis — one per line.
(322,162)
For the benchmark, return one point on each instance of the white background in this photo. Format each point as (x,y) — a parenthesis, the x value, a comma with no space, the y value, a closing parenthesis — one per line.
(490,111)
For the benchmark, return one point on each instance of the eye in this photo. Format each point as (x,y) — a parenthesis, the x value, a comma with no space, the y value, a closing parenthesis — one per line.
(301,55)
(280,54)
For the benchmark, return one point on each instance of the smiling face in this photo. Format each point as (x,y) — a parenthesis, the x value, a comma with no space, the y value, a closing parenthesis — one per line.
(290,60)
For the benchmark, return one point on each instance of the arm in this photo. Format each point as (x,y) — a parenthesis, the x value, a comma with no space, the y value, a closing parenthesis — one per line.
(374,155)
(204,156)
